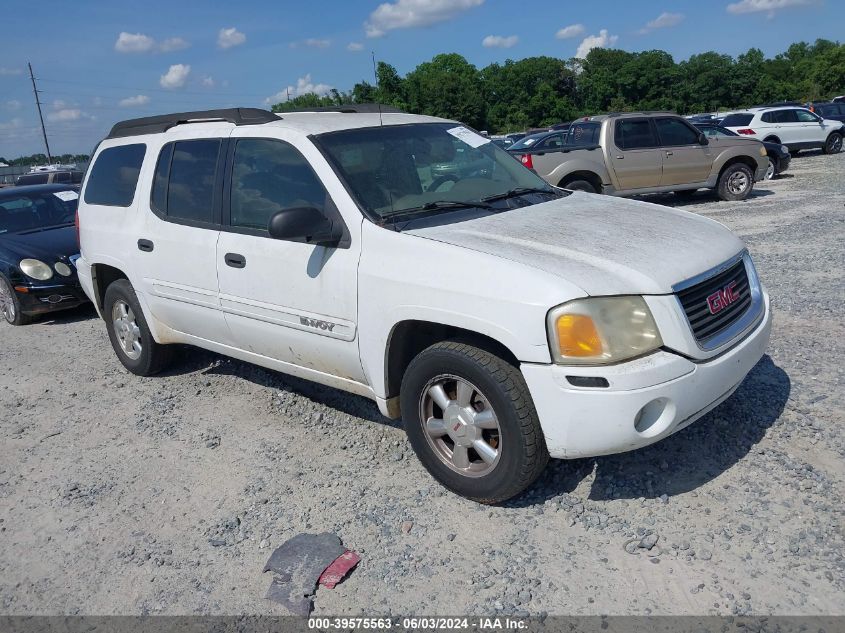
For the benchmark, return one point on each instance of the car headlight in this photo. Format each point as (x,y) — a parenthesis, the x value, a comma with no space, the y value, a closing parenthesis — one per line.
(63,269)
(763,150)
(784,149)
(36,269)
(601,330)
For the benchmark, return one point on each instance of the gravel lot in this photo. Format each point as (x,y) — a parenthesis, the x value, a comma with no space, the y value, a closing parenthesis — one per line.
(122,495)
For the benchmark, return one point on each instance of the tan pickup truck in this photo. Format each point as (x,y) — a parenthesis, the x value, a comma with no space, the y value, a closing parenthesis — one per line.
(649,152)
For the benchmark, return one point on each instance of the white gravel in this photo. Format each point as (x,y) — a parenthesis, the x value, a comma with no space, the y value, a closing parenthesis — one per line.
(121,495)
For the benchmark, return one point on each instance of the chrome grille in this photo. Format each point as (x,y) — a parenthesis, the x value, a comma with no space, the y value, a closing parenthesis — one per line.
(694,300)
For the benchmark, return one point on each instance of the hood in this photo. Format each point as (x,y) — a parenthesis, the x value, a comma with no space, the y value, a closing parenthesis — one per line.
(49,245)
(604,245)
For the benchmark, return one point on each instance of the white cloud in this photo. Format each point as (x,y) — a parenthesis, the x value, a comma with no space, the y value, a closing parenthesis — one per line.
(405,14)
(8,72)
(573,30)
(315,43)
(12,105)
(70,114)
(208,81)
(304,85)
(602,40)
(354,47)
(769,6)
(173,44)
(137,100)
(97,101)
(227,38)
(134,43)
(176,76)
(662,21)
(59,104)
(500,41)
(12,125)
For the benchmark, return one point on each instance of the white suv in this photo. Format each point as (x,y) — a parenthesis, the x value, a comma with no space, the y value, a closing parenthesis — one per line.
(797,128)
(503,319)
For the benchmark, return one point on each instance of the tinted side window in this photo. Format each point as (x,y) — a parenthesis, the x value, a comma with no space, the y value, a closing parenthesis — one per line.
(634,134)
(61,176)
(190,189)
(76,177)
(268,176)
(805,117)
(114,175)
(767,117)
(739,120)
(675,132)
(784,116)
(35,179)
(158,199)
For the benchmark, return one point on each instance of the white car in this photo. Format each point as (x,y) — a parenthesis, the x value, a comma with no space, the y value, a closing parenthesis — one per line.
(503,319)
(795,127)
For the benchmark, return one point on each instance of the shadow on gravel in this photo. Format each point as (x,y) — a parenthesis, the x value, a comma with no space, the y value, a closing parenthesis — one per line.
(671,200)
(74,315)
(683,461)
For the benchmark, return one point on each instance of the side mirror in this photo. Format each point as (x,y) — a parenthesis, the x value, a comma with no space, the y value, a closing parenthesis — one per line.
(702,139)
(304,224)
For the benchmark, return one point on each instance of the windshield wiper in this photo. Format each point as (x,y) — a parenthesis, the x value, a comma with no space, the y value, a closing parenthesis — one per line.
(436,206)
(512,193)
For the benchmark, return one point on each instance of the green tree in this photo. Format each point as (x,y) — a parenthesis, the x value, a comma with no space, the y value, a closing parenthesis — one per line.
(447,86)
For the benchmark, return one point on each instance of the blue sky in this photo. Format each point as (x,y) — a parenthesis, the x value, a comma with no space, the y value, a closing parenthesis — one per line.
(102,61)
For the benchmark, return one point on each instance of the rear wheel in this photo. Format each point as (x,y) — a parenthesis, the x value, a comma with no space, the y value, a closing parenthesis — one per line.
(580,185)
(736,182)
(833,145)
(129,333)
(10,306)
(471,421)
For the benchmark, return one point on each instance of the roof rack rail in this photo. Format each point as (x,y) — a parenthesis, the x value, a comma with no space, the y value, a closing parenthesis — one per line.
(618,114)
(353,108)
(163,122)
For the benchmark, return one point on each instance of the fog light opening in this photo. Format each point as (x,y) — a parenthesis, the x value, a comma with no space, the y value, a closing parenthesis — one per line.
(653,417)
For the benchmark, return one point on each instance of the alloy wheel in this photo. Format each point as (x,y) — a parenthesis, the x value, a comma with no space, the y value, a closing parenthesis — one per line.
(738,183)
(770,171)
(126,329)
(460,425)
(7,301)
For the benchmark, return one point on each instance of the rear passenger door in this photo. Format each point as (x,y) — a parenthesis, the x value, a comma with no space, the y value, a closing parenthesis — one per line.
(685,160)
(636,158)
(175,248)
(289,301)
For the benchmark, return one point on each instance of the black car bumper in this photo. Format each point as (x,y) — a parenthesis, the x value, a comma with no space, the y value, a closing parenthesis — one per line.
(49,297)
(783,163)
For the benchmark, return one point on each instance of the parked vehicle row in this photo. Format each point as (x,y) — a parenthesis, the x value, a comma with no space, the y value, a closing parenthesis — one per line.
(795,127)
(609,337)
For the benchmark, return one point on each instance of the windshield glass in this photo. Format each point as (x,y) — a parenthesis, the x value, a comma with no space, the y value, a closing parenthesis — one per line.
(27,212)
(399,168)
(527,141)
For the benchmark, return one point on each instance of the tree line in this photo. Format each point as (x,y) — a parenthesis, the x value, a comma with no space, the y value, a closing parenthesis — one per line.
(41,159)
(539,91)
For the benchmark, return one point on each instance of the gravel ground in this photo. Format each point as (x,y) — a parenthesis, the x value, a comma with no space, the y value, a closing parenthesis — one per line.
(122,495)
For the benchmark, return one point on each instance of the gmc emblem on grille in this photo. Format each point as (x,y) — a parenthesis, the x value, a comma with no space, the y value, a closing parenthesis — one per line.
(721,299)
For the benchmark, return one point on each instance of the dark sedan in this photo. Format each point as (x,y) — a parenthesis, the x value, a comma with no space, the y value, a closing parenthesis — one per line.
(38,250)
(778,154)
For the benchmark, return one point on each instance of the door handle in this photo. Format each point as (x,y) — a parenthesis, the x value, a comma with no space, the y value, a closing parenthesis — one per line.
(619,157)
(235,261)
(670,153)
(146,246)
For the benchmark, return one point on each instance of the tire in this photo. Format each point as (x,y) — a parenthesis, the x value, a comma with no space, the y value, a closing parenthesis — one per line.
(580,185)
(10,306)
(685,193)
(771,170)
(833,144)
(490,402)
(736,182)
(128,330)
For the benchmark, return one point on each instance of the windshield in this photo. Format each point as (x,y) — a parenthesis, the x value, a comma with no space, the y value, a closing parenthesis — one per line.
(527,141)
(427,166)
(27,212)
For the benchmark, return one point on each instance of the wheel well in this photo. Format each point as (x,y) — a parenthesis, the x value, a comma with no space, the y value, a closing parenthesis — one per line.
(103,276)
(409,338)
(747,160)
(772,139)
(589,176)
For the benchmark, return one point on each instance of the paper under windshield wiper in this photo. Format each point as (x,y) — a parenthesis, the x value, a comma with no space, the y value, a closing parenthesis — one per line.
(436,206)
(517,192)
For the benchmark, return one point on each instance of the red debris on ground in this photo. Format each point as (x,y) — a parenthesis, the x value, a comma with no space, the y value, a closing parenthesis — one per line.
(341,566)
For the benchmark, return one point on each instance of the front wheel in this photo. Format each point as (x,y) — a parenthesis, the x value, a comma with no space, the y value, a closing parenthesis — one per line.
(10,306)
(770,170)
(833,145)
(129,333)
(471,421)
(736,182)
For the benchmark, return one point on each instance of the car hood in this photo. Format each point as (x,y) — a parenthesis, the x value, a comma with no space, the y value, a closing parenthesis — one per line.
(49,245)
(604,245)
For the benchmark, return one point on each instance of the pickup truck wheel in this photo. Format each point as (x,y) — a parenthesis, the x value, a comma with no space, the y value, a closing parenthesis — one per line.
(833,145)
(129,333)
(736,182)
(580,185)
(471,421)
(10,306)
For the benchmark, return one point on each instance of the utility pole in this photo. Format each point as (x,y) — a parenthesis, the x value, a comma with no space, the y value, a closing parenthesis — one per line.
(40,116)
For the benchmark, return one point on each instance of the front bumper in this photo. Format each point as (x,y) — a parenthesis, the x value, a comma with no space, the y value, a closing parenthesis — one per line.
(647,399)
(782,163)
(48,297)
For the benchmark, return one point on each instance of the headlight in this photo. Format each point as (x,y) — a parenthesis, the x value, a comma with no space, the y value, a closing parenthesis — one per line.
(63,269)
(36,269)
(784,149)
(763,150)
(601,330)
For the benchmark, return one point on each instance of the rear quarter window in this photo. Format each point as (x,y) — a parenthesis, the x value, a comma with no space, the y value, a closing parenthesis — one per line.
(114,176)
(738,120)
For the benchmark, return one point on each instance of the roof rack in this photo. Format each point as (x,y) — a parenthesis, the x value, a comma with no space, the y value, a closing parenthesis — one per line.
(353,108)
(163,122)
